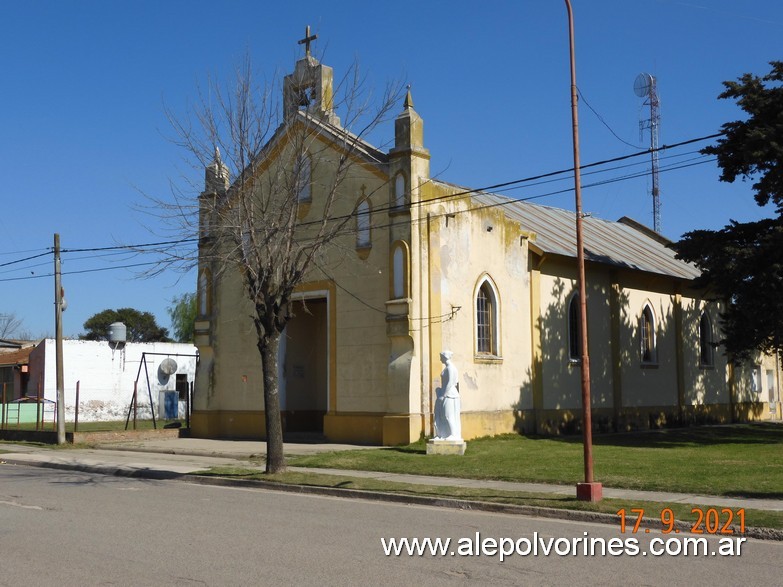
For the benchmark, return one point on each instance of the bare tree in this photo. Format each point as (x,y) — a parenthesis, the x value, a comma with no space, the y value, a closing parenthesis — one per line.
(261,158)
(9,325)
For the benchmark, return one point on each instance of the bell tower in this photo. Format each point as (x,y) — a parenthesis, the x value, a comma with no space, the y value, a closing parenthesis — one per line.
(310,87)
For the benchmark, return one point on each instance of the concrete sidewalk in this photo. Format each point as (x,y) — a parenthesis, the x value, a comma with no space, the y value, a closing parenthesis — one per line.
(174,457)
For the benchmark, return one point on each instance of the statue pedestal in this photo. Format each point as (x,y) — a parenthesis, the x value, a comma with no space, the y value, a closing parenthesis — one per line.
(437,446)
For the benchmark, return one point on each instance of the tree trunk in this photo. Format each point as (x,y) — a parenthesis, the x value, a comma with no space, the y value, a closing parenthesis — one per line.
(268,346)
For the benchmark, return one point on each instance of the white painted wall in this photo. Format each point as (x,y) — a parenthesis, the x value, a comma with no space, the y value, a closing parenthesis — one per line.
(107,375)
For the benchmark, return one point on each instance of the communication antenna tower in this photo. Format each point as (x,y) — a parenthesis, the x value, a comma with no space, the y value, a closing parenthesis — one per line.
(645,86)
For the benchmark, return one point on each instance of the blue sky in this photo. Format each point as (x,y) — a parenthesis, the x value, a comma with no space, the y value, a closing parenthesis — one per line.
(84,132)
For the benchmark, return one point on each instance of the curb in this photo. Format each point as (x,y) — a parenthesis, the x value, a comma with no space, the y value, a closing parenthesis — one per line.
(189,452)
(112,470)
(451,503)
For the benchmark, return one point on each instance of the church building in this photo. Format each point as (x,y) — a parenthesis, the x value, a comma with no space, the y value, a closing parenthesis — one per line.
(428,266)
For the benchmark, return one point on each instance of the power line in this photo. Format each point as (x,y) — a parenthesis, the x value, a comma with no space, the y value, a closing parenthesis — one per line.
(90,257)
(25,251)
(110,268)
(506,184)
(433,319)
(130,247)
(122,249)
(510,201)
(81,271)
(25,259)
(503,186)
(606,124)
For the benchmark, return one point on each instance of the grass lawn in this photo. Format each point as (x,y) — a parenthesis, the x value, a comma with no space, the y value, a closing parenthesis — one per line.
(680,511)
(739,460)
(108,426)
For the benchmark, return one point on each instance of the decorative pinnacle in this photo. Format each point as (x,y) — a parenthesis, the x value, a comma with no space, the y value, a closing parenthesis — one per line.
(408,99)
(217,155)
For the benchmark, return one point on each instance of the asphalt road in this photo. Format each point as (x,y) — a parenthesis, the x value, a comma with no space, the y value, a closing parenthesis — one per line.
(70,528)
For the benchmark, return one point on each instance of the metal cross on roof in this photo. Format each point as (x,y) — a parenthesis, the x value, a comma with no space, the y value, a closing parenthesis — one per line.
(307,40)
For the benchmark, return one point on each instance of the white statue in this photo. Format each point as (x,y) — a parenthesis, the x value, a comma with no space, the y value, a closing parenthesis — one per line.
(447,404)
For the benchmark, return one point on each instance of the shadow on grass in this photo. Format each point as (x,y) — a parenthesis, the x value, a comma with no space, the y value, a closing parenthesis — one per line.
(408,450)
(761,433)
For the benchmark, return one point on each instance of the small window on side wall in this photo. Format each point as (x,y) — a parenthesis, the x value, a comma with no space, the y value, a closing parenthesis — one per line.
(399,191)
(399,283)
(487,320)
(574,330)
(303,178)
(203,293)
(363,237)
(399,275)
(706,350)
(647,330)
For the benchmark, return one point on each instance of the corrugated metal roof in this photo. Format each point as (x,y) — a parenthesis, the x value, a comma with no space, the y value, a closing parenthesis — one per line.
(613,243)
(15,357)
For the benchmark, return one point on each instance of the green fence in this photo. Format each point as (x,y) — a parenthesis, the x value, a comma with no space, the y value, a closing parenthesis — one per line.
(25,413)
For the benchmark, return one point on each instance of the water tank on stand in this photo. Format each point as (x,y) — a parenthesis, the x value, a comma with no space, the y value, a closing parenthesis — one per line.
(117,336)
(117,332)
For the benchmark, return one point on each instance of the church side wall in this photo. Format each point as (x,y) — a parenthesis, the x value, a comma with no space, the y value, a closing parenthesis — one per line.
(562,373)
(653,382)
(628,392)
(495,388)
(704,384)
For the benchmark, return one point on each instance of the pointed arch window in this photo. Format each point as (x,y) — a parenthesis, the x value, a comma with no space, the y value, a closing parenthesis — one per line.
(399,282)
(399,190)
(204,297)
(363,237)
(303,178)
(574,329)
(647,331)
(487,324)
(706,350)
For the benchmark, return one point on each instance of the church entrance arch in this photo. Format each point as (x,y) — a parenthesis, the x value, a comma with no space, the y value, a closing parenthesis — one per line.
(303,360)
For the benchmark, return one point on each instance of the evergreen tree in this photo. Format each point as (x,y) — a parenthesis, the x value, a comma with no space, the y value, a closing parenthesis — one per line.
(743,262)
(141,326)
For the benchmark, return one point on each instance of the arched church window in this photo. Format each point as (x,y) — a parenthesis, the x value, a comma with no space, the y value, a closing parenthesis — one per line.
(399,263)
(363,237)
(647,331)
(487,312)
(574,329)
(303,178)
(399,190)
(706,350)
(203,293)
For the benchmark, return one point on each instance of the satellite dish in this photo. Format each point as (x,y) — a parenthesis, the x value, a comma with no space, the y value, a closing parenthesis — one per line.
(642,84)
(168,366)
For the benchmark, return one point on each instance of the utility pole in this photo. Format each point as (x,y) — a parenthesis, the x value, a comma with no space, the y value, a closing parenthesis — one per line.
(589,490)
(58,330)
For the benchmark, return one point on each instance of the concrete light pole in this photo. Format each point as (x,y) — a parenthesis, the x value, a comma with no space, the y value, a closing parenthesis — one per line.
(58,333)
(589,490)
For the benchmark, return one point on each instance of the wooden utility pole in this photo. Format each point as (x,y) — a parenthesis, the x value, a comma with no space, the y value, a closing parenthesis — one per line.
(58,333)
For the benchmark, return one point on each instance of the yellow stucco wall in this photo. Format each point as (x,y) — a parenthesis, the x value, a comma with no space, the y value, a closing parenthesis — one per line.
(561,374)
(472,248)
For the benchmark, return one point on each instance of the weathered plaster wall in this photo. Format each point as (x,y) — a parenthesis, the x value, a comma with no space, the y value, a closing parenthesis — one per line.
(474,247)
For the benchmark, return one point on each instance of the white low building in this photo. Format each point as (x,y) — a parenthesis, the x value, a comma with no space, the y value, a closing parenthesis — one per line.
(106,373)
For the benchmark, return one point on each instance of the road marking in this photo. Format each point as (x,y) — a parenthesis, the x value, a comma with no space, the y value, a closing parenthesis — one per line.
(19,505)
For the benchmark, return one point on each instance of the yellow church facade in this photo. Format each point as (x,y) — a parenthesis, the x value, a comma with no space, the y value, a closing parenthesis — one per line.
(428,266)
